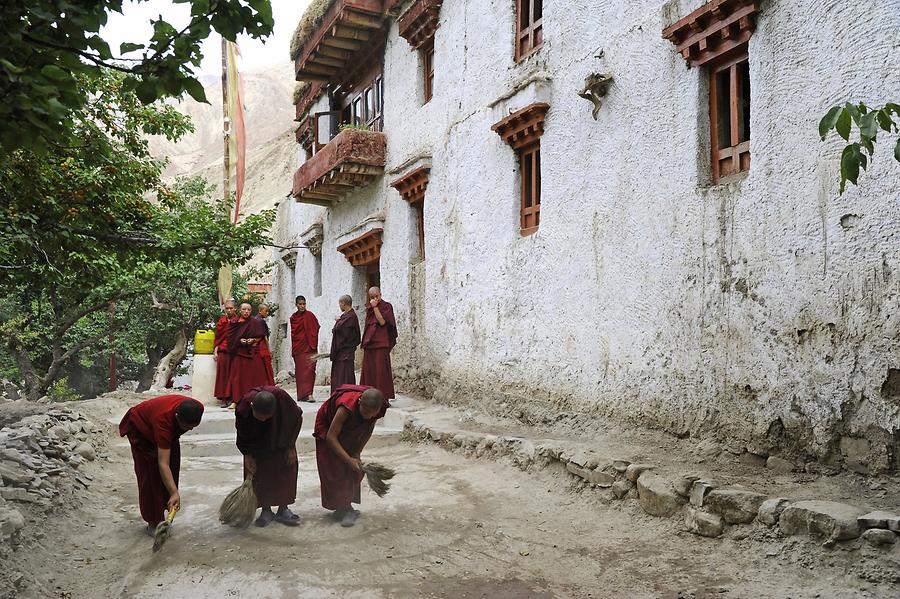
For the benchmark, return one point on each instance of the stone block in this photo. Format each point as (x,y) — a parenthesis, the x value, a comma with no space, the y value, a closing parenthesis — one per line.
(703,523)
(823,519)
(621,488)
(684,483)
(779,465)
(633,471)
(656,495)
(770,510)
(699,490)
(12,521)
(751,459)
(85,451)
(879,536)
(735,505)
(596,477)
(620,466)
(13,474)
(877,519)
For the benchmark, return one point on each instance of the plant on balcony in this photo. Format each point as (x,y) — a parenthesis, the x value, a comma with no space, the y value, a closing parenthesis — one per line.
(352,127)
(300,88)
(309,22)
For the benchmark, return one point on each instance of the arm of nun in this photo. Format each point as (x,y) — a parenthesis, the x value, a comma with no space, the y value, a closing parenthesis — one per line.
(334,431)
(165,472)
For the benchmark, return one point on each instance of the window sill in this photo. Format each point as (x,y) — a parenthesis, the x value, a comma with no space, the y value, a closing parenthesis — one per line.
(730,179)
(528,231)
(530,53)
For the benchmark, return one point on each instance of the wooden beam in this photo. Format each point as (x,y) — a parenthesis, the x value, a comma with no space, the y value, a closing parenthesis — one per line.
(303,75)
(365,21)
(350,33)
(344,44)
(325,50)
(318,58)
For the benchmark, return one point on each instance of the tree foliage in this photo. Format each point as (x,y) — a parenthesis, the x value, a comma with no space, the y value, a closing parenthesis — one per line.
(869,123)
(90,226)
(49,47)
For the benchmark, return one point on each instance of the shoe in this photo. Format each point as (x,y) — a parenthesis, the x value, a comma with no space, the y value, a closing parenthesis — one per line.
(151,530)
(265,518)
(287,517)
(349,518)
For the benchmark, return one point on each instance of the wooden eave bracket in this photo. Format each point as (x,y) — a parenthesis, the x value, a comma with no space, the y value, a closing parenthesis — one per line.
(713,30)
(524,126)
(412,186)
(419,23)
(363,249)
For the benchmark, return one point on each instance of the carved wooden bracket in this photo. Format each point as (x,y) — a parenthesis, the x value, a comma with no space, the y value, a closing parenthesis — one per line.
(418,24)
(523,126)
(714,30)
(595,87)
(312,238)
(413,185)
(365,249)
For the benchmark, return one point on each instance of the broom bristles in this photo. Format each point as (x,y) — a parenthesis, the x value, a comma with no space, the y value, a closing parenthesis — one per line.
(163,530)
(377,477)
(239,506)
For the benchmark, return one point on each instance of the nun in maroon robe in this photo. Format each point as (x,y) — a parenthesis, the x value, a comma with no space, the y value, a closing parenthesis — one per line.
(377,341)
(152,426)
(304,345)
(272,445)
(223,359)
(340,482)
(248,369)
(344,340)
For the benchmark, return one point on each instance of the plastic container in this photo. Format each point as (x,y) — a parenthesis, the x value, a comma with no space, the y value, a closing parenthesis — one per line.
(204,342)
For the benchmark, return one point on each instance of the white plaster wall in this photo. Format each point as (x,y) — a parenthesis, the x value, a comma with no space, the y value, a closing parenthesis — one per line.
(744,309)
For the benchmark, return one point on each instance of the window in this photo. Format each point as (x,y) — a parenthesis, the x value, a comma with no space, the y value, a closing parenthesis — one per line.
(420,227)
(729,116)
(530,187)
(716,36)
(428,70)
(412,187)
(317,274)
(522,130)
(529,27)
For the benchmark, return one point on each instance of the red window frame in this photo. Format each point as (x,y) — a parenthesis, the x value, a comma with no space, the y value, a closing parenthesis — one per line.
(530,187)
(428,70)
(729,116)
(529,27)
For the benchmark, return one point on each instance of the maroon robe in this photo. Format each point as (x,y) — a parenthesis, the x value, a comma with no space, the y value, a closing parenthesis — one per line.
(248,369)
(264,351)
(223,360)
(151,426)
(304,344)
(269,443)
(377,342)
(344,339)
(340,484)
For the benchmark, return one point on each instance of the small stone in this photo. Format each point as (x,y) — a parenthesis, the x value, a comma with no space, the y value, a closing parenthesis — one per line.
(579,459)
(877,519)
(770,510)
(597,477)
(633,471)
(879,536)
(620,488)
(703,523)
(735,505)
(779,465)
(751,459)
(11,521)
(620,466)
(14,474)
(85,451)
(699,490)
(656,495)
(684,483)
(828,519)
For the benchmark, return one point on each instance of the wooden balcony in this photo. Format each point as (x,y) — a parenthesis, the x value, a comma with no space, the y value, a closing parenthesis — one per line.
(349,31)
(351,160)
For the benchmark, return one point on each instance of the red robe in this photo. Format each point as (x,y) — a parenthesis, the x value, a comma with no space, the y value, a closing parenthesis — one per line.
(377,342)
(248,369)
(149,426)
(304,344)
(223,360)
(344,339)
(340,484)
(264,351)
(269,443)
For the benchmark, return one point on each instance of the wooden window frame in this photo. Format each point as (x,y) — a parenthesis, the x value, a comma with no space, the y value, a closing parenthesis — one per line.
(530,188)
(428,71)
(420,226)
(735,158)
(530,30)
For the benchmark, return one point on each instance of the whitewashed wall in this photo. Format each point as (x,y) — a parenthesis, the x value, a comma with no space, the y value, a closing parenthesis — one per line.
(764,311)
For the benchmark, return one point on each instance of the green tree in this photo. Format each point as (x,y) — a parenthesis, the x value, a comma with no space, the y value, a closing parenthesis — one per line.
(90,226)
(869,122)
(48,48)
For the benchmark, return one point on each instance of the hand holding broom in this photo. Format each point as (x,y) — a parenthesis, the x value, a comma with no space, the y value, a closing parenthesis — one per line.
(317,357)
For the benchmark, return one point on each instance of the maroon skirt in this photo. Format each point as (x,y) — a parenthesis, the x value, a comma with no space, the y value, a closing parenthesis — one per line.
(376,371)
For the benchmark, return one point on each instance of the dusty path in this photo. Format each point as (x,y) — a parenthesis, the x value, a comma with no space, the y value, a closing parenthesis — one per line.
(451,527)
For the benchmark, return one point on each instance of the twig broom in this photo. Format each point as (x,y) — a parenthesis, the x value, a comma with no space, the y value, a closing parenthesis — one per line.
(377,477)
(239,506)
(163,531)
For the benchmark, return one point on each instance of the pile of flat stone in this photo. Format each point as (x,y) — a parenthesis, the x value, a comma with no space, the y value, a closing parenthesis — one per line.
(40,458)
(706,507)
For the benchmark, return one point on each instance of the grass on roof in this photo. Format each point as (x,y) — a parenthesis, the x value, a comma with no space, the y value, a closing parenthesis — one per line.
(308,24)
(300,88)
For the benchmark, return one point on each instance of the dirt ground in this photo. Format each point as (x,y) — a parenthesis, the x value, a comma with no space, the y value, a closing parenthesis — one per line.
(450,527)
